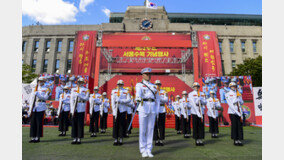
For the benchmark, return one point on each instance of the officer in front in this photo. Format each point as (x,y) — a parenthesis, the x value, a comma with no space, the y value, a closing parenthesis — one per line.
(95,102)
(64,111)
(147,96)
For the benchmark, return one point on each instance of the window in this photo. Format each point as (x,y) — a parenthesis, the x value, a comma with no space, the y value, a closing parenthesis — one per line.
(24,45)
(233,63)
(232,46)
(34,65)
(45,65)
(71,45)
(69,63)
(220,46)
(59,45)
(254,46)
(36,44)
(57,65)
(223,68)
(47,46)
(243,45)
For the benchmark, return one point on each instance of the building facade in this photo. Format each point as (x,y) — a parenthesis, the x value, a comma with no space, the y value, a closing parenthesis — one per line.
(49,48)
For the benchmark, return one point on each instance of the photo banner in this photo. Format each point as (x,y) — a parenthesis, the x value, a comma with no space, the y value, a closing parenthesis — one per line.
(84,52)
(209,54)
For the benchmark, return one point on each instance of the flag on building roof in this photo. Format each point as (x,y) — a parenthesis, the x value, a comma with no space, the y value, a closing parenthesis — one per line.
(151,5)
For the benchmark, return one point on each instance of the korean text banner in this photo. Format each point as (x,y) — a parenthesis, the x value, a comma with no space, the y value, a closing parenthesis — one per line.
(84,52)
(257,94)
(209,54)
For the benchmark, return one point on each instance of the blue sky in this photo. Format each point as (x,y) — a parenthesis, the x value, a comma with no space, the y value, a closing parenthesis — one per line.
(67,12)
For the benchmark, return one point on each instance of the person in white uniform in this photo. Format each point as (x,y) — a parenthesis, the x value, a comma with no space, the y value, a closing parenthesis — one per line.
(213,105)
(37,109)
(63,111)
(95,102)
(159,128)
(185,112)
(178,118)
(79,97)
(234,100)
(120,97)
(197,101)
(104,112)
(149,102)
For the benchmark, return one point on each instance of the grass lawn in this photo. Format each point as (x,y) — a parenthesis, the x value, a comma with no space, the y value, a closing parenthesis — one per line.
(176,147)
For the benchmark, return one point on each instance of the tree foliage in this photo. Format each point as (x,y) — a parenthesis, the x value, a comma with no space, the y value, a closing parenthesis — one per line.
(250,67)
(27,75)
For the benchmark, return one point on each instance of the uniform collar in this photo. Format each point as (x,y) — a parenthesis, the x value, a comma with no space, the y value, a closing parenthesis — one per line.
(146,82)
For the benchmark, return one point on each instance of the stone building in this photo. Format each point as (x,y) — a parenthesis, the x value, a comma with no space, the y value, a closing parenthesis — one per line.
(48,48)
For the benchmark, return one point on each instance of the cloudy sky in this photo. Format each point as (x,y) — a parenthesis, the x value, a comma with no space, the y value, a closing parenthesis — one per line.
(67,12)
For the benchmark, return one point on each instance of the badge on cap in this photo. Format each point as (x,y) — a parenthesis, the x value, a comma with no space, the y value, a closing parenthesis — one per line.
(146,70)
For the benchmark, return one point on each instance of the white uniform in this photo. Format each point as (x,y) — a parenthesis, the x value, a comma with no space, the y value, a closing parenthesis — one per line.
(83,97)
(122,97)
(194,101)
(177,108)
(163,101)
(41,96)
(212,107)
(106,104)
(64,102)
(185,107)
(95,102)
(147,113)
(130,107)
(232,101)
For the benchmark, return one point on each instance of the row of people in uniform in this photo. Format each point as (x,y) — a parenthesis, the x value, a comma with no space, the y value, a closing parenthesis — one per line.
(150,114)
(187,107)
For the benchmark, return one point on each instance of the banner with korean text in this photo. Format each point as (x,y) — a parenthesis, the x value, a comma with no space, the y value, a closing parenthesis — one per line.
(84,52)
(257,96)
(209,54)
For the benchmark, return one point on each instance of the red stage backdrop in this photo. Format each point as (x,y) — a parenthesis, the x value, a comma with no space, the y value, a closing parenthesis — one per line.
(146,52)
(209,54)
(84,52)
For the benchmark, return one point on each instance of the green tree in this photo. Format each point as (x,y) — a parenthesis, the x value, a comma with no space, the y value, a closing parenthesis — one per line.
(27,75)
(250,67)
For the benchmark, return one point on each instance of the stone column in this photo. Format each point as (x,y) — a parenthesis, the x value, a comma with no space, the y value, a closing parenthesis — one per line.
(226,56)
(51,56)
(40,56)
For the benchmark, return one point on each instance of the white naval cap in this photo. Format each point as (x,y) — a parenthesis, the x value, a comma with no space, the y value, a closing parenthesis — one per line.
(72,78)
(196,84)
(96,88)
(184,92)
(41,78)
(120,82)
(105,93)
(146,70)
(177,96)
(212,92)
(232,84)
(158,82)
(81,79)
(65,87)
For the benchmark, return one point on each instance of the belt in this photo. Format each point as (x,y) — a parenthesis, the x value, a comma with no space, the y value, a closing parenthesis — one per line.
(162,105)
(40,100)
(150,100)
(81,101)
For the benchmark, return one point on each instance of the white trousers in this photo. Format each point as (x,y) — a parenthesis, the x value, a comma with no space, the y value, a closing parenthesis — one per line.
(146,129)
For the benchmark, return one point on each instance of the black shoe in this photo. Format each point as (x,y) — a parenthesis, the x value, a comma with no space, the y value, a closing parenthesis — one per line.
(235,143)
(32,141)
(126,136)
(74,142)
(201,144)
(120,142)
(64,134)
(240,143)
(161,143)
(157,143)
(115,143)
(196,143)
(78,142)
(61,134)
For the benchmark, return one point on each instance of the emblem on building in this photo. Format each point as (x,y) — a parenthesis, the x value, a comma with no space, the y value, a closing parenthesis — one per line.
(145,38)
(206,37)
(86,37)
(146,24)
